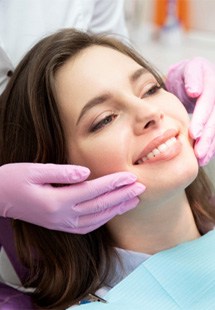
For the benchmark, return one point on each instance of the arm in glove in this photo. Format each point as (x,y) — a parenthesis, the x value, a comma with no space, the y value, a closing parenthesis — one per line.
(193,82)
(26,193)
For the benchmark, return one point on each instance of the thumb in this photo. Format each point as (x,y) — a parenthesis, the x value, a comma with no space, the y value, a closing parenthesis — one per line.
(52,173)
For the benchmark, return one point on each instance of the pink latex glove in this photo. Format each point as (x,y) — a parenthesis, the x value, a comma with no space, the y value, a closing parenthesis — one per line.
(193,81)
(26,193)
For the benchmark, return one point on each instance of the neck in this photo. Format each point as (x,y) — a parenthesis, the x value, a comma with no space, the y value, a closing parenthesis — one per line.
(151,229)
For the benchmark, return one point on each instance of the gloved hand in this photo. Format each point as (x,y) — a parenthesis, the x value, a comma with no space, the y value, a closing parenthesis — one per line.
(193,83)
(13,299)
(26,193)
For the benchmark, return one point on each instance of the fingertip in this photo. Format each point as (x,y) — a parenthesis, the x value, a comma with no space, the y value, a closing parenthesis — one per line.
(193,77)
(141,185)
(139,188)
(193,92)
(124,178)
(79,171)
(201,153)
(198,150)
(205,158)
(129,175)
(84,170)
(195,131)
(128,205)
(203,161)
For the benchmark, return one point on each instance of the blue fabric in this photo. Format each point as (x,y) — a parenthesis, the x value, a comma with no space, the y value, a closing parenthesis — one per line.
(180,278)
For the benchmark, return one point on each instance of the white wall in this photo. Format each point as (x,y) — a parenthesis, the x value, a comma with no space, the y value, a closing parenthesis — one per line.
(202,15)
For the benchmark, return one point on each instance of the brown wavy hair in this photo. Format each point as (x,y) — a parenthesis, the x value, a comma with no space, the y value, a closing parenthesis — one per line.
(64,267)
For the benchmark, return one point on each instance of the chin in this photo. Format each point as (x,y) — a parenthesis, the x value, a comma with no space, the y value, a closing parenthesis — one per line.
(171,181)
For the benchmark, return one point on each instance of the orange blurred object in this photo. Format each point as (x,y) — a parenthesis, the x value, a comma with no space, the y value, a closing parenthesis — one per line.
(161,12)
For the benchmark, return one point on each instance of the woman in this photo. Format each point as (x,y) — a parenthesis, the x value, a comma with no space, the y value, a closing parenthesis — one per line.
(93,101)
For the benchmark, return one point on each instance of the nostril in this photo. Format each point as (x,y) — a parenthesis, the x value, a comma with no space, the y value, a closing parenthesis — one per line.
(150,123)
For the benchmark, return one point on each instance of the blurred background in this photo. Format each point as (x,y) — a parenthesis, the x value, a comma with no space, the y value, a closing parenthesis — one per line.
(167,31)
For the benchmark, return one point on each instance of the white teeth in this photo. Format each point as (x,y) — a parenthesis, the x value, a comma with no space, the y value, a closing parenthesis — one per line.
(158,150)
(162,147)
(155,152)
(150,155)
(171,141)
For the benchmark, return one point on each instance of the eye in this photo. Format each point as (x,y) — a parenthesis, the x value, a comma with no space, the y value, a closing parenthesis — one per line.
(152,90)
(103,122)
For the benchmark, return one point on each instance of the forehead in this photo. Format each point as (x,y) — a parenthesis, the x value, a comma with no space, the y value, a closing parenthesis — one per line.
(96,61)
(95,69)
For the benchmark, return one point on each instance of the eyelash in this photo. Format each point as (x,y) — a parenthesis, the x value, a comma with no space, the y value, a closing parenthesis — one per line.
(152,90)
(102,123)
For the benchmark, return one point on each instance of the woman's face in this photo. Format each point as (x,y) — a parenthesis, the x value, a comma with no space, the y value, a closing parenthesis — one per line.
(116,118)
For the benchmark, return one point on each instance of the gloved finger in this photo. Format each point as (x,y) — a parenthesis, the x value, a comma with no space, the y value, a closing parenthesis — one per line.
(103,217)
(175,74)
(110,199)
(78,193)
(65,174)
(204,159)
(202,110)
(193,78)
(204,146)
(211,154)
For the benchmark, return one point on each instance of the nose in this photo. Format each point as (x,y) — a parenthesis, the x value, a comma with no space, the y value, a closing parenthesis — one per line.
(147,116)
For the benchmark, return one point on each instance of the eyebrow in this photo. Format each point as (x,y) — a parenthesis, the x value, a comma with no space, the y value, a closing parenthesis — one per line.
(106,96)
(137,74)
(93,102)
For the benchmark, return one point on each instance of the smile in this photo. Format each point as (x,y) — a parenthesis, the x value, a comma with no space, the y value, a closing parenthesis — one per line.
(162,148)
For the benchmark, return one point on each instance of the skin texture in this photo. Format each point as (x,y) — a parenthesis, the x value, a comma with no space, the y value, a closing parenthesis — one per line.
(129,118)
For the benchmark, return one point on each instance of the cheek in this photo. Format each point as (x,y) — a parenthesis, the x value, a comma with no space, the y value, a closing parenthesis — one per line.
(101,156)
(173,107)
(170,177)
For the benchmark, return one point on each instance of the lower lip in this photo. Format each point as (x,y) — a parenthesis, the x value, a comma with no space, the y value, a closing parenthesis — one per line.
(168,154)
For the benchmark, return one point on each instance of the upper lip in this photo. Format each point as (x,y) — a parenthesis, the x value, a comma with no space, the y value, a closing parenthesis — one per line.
(155,142)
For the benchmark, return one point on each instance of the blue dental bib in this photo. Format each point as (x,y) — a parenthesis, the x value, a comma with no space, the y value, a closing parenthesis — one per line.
(182,277)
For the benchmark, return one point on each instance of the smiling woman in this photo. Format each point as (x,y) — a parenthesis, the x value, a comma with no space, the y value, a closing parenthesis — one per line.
(93,101)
